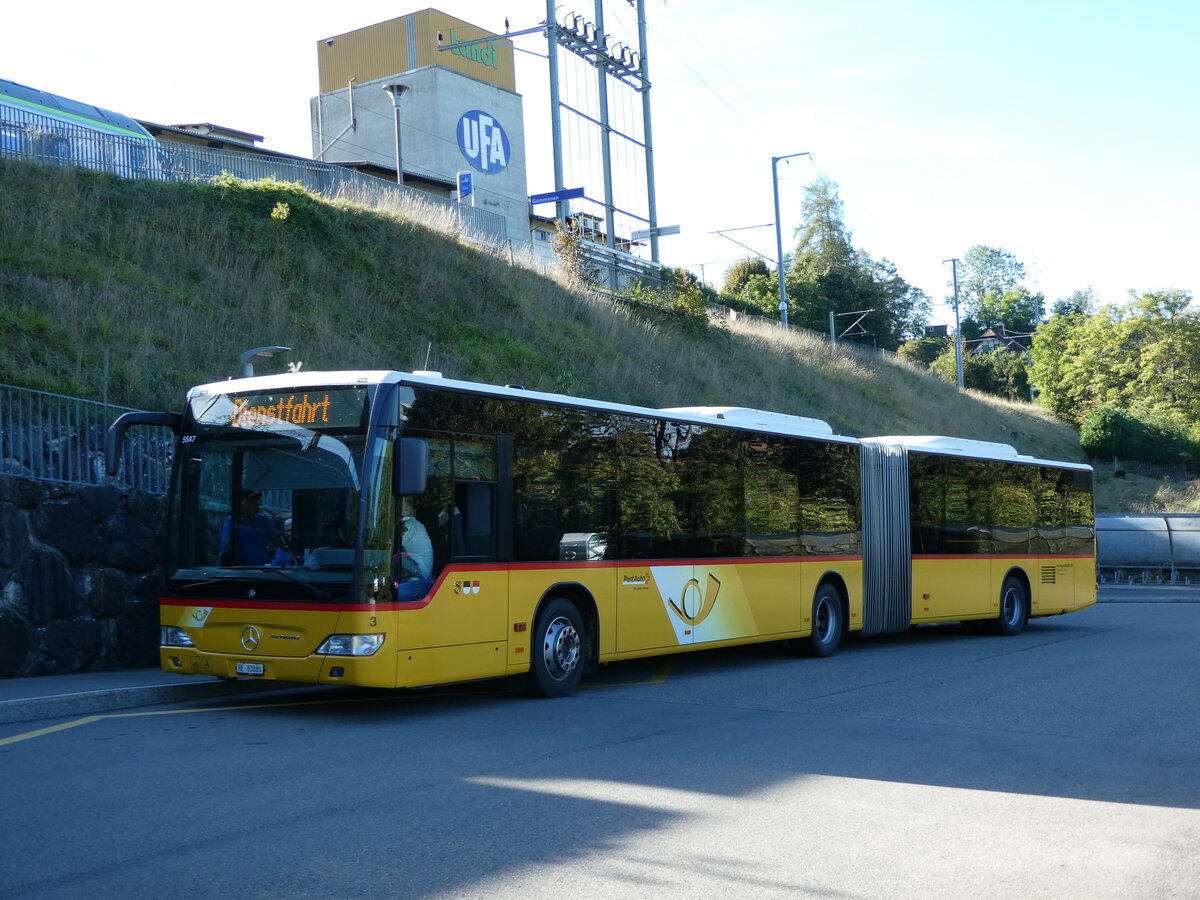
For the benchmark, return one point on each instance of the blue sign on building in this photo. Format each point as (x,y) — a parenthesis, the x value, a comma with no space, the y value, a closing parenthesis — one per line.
(483,142)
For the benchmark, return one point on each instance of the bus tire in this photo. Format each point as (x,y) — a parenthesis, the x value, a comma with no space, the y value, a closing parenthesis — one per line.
(828,623)
(556,650)
(1014,608)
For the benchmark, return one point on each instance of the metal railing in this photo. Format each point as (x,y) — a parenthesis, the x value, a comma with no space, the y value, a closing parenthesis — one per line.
(51,437)
(39,139)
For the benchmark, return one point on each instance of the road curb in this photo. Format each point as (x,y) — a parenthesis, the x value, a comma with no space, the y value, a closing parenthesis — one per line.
(78,704)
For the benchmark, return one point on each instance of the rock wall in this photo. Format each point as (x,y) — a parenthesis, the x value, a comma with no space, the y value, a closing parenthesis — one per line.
(80,577)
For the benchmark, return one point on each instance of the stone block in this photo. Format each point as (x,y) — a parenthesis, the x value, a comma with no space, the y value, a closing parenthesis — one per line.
(101,500)
(128,544)
(22,491)
(67,524)
(47,586)
(107,591)
(73,644)
(149,509)
(14,534)
(14,645)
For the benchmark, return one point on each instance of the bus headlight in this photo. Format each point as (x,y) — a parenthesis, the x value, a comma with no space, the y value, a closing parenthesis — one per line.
(170,636)
(351,644)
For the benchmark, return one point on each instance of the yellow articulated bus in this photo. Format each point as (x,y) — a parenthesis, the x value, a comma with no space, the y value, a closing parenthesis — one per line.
(397,530)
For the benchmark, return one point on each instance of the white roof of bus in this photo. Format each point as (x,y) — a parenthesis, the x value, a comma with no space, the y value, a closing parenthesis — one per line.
(953,446)
(727,416)
(777,423)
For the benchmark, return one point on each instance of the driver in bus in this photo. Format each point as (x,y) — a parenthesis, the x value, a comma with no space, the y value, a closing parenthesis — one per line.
(412,570)
(255,532)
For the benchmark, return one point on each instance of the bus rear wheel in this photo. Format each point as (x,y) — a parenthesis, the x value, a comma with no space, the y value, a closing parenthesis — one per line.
(1014,608)
(556,650)
(828,623)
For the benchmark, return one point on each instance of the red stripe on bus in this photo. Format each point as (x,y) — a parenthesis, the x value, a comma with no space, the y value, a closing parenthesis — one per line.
(487,567)
(1028,556)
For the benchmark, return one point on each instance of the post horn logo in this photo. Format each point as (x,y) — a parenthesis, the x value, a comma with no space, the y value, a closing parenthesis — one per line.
(250,637)
(693,608)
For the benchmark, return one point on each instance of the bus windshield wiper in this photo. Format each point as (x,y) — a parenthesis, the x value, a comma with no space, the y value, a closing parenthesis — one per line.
(311,588)
(197,585)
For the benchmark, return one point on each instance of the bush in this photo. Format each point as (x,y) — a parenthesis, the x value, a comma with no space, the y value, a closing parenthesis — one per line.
(1154,436)
(1109,432)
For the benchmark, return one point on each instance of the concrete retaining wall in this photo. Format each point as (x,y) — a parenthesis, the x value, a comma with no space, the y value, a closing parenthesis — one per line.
(80,577)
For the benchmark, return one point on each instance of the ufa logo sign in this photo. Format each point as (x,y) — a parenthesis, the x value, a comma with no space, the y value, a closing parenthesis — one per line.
(483,142)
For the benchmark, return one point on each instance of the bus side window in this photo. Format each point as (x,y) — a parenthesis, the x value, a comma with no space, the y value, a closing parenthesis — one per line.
(474,518)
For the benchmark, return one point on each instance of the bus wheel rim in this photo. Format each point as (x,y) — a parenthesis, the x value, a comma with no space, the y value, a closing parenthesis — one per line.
(824,621)
(1011,606)
(560,650)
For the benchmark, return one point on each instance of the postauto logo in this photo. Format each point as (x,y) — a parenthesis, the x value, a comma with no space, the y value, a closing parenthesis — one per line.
(483,142)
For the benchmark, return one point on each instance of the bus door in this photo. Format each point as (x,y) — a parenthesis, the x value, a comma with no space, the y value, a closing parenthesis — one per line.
(462,511)
(683,513)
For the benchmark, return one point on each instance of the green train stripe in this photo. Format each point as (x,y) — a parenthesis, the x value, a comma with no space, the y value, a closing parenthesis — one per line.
(38,108)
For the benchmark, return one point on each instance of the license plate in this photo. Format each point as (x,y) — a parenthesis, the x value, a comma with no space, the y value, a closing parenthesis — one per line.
(249,668)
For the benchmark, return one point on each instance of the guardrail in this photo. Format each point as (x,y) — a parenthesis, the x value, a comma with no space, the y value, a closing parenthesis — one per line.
(52,437)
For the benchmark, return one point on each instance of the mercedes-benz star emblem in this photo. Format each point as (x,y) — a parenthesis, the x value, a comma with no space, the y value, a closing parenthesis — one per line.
(250,637)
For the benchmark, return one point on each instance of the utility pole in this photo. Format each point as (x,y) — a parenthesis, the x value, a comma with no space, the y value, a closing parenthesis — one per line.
(783,303)
(958,345)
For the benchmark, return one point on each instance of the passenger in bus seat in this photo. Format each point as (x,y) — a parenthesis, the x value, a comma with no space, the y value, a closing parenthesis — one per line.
(285,553)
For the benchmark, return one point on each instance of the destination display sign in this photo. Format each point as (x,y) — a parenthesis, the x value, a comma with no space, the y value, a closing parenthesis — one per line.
(313,408)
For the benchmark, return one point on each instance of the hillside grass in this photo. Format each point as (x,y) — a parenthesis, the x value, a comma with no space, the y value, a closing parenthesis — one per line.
(170,282)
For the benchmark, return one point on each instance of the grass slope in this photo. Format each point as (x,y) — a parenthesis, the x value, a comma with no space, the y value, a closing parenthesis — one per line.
(133,291)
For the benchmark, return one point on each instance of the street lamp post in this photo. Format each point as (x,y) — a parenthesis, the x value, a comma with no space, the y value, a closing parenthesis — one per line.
(397,91)
(783,304)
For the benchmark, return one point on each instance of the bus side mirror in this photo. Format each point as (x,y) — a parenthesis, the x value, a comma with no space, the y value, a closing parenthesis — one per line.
(116,434)
(410,459)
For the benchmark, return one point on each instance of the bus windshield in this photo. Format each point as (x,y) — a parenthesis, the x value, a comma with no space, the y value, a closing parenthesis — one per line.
(265,495)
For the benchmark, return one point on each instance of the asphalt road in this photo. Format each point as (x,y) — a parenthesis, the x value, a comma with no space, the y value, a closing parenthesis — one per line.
(1064,762)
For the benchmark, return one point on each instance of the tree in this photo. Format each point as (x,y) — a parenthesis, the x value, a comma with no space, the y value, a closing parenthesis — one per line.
(1001,372)
(824,241)
(1080,302)
(986,269)
(1145,354)
(828,274)
(568,248)
(923,351)
(1017,310)
(737,275)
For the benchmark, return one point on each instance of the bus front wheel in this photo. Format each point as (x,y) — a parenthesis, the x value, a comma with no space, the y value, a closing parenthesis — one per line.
(828,623)
(1014,608)
(556,650)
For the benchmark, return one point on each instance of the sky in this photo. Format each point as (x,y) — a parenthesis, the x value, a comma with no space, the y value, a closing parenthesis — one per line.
(1065,132)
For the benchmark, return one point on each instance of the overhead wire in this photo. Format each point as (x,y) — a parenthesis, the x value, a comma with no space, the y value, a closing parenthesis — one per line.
(725,73)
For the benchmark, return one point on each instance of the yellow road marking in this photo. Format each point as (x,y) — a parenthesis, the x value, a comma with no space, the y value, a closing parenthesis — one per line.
(53,728)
